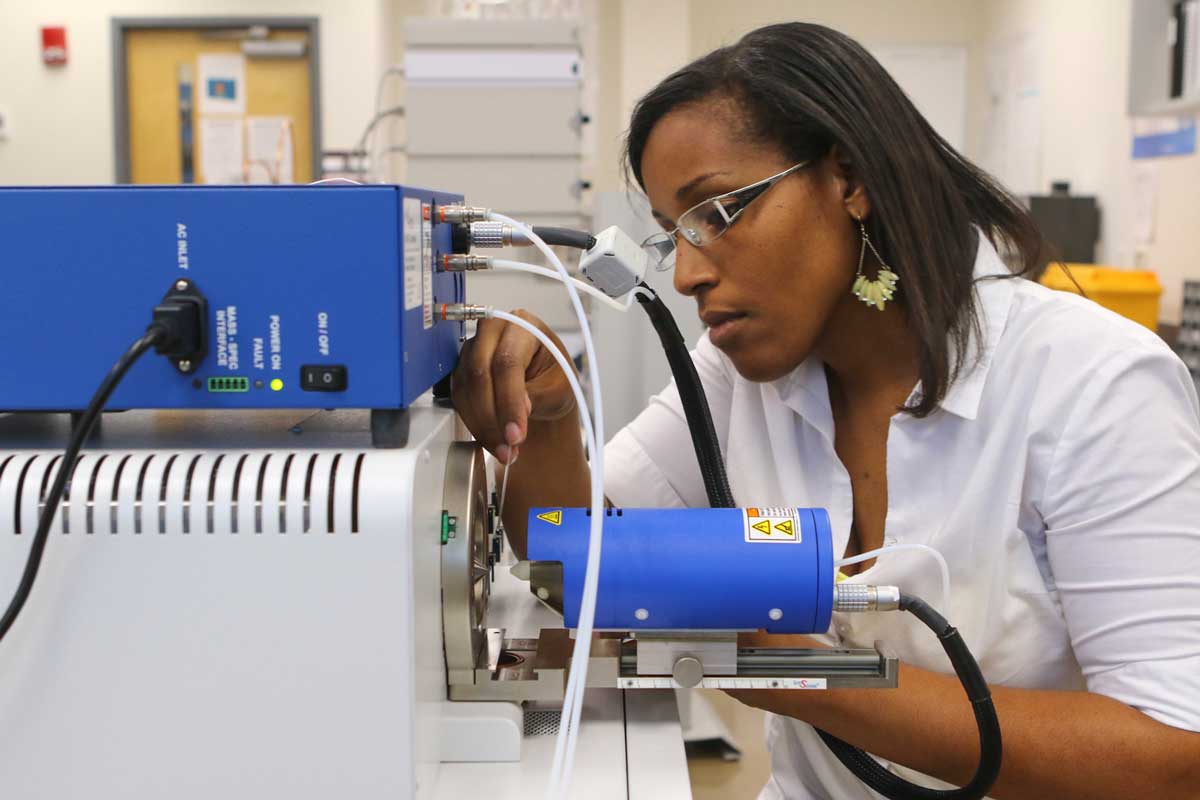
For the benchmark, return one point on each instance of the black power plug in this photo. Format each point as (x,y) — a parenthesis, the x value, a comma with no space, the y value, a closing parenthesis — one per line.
(182,315)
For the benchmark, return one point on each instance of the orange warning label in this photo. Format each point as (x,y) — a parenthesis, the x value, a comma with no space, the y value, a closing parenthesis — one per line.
(553,517)
(772,525)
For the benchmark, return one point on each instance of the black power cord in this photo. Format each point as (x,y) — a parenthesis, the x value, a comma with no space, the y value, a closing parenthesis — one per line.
(178,332)
(83,430)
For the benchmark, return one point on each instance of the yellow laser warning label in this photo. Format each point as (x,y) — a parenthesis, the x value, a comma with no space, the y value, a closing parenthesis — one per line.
(772,525)
(553,517)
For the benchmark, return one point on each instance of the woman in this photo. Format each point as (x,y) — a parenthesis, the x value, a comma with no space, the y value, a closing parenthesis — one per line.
(1048,448)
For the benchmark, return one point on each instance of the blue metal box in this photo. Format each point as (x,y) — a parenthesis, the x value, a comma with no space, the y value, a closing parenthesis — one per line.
(325,277)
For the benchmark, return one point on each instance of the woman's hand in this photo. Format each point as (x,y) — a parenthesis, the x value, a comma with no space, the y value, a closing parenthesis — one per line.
(505,378)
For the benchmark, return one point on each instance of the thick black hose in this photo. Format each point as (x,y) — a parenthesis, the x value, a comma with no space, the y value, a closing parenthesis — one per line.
(720,495)
(991,747)
(83,429)
(565,237)
(695,404)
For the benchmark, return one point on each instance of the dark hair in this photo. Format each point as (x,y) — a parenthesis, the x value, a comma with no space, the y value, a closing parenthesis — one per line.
(805,88)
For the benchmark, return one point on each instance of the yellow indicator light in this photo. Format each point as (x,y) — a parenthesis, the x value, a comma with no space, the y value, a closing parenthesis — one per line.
(276,385)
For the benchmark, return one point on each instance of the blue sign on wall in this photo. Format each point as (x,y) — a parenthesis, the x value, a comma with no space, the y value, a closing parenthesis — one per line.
(1179,142)
(222,88)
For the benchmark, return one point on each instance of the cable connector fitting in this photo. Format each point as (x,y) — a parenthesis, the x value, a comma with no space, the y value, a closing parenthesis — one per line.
(497,234)
(459,213)
(853,597)
(465,263)
(461,312)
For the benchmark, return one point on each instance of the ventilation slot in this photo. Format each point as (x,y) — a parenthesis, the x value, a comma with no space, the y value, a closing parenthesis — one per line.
(358,462)
(65,504)
(212,493)
(187,495)
(283,486)
(258,494)
(91,497)
(237,492)
(162,494)
(112,508)
(46,476)
(542,723)
(329,516)
(20,493)
(308,478)
(137,498)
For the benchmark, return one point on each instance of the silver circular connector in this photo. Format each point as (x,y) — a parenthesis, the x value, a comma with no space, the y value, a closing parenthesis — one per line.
(851,597)
(489,234)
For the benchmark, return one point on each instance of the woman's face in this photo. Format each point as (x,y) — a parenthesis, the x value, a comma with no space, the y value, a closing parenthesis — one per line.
(767,288)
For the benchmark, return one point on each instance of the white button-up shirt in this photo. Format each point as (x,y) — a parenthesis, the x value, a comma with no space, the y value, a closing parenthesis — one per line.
(1059,478)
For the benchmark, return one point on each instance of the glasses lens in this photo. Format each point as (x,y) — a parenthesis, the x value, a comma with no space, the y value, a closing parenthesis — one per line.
(704,223)
(661,247)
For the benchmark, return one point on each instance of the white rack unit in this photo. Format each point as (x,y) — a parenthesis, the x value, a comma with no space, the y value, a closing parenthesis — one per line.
(495,111)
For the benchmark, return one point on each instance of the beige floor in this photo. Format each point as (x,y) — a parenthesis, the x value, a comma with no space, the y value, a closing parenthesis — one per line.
(714,779)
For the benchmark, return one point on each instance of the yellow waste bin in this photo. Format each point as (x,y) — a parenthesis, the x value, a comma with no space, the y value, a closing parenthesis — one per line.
(1132,293)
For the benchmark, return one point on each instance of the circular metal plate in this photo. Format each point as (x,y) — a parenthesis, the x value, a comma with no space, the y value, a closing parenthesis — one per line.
(465,572)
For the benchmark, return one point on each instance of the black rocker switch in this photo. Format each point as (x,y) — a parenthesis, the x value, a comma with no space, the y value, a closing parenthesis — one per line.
(323,378)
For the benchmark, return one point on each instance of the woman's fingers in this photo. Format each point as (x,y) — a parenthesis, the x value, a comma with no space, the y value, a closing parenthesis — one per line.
(510,364)
(503,378)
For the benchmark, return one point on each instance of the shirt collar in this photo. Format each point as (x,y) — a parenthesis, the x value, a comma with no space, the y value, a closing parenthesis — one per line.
(993,300)
(806,391)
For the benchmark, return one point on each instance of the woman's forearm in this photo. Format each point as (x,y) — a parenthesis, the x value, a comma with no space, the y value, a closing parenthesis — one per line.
(1060,745)
(550,471)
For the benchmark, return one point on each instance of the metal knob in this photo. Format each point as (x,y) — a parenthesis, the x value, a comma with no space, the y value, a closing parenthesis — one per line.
(688,672)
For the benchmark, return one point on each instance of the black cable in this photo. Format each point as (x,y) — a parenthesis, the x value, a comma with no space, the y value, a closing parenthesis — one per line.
(154,335)
(565,237)
(991,747)
(720,495)
(691,393)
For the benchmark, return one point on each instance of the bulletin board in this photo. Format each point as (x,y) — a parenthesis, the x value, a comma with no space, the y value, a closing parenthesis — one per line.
(189,102)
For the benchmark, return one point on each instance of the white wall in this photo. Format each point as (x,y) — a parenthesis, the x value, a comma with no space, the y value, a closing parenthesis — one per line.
(715,23)
(1083,70)
(62,116)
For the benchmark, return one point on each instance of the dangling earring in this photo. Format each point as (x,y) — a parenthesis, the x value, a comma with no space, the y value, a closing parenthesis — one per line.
(877,292)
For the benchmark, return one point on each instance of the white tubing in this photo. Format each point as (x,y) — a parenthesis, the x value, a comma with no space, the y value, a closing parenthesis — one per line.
(583,286)
(867,556)
(564,750)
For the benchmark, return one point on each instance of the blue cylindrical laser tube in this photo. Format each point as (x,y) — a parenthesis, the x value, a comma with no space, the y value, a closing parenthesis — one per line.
(695,569)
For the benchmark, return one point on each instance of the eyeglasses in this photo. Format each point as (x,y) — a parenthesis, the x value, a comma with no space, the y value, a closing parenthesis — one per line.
(707,221)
